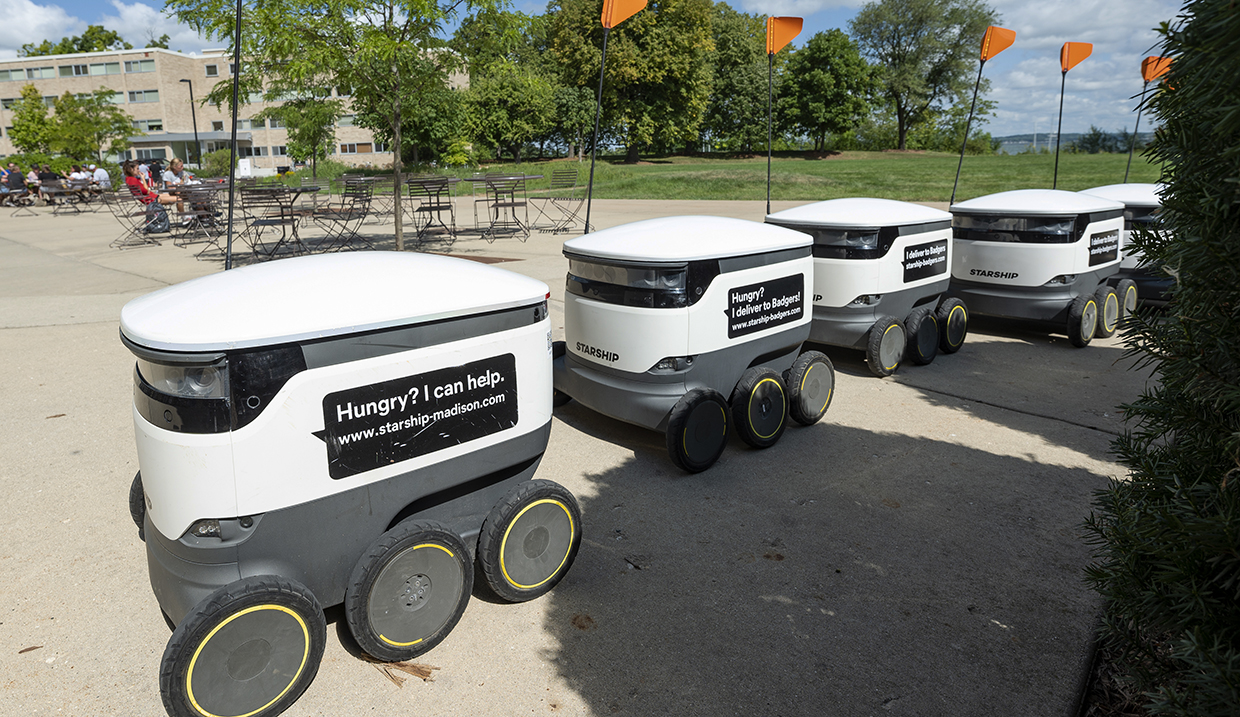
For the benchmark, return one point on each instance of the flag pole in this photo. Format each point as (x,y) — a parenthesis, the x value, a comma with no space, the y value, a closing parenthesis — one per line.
(1059,128)
(597,114)
(232,152)
(1133,146)
(770,84)
(968,123)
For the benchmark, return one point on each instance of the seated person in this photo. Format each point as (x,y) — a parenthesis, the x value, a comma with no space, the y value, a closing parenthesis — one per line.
(140,189)
(176,174)
(47,181)
(14,185)
(102,179)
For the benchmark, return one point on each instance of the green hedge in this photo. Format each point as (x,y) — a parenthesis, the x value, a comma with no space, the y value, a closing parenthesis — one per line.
(1167,536)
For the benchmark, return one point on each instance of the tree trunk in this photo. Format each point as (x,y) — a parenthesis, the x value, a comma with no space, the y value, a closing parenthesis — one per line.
(901,126)
(397,212)
(631,155)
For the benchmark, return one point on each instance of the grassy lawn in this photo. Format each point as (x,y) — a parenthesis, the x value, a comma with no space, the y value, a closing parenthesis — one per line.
(891,175)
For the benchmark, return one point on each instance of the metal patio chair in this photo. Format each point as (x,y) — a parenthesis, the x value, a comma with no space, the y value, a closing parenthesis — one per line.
(431,198)
(341,222)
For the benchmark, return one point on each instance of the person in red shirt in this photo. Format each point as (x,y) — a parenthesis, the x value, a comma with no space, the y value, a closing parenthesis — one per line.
(139,188)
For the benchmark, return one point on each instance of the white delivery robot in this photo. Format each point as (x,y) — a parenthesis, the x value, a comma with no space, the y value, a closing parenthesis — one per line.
(881,269)
(1138,281)
(1040,254)
(665,319)
(347,428)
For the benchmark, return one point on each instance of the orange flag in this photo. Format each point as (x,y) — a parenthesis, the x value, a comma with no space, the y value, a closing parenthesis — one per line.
(780,31)
(617,11)
(1073,53)
(1154,67)
(996,40)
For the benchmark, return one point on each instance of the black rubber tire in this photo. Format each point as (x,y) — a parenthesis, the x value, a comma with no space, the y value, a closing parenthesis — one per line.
(559,398)
(1128,297)
(233,654)
(1109,311)
(885,347)
(953,320)
(408,591)
(811,386)
(921,330)
(1082,320)
(697,429)
(760,407)
(137,505)
(529,540)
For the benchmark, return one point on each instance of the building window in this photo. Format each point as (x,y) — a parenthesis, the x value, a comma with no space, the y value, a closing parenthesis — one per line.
(232,68)
(345,121)
(151,153)
(152,125)
(251,151)
(139,66)
(250,124)
(217,126)
(274,123)
(74,70)
(144,96)
(105,68)
(49,100)
(382,147)
(348,149)
(279,151)
(213,70)
(40,73)
(5,75)
(8,102)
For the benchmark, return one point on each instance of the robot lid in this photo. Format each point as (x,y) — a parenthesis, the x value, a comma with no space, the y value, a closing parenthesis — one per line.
(319,296)
(858,213)
(1036,202)
(684,239)
(1130,195)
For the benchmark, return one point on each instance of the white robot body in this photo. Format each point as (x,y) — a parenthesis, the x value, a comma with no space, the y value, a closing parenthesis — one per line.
(310,401)
(872,257)
(1029,253)
(658,307)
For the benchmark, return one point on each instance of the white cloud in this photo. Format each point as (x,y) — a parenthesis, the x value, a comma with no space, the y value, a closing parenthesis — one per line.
(136,22)
(793,8)
(1100,91)
(26,22)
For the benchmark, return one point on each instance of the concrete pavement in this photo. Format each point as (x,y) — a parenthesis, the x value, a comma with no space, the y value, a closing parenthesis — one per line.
(917,552)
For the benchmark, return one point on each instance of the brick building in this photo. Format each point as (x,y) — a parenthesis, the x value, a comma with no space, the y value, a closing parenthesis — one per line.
(149,88)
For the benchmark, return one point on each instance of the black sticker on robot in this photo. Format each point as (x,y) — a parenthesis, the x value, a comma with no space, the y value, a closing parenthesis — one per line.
(925,260)
(372,426)
(765,305)
(1103,247)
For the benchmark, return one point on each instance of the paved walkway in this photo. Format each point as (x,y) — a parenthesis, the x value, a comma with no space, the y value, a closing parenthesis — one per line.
(917,552)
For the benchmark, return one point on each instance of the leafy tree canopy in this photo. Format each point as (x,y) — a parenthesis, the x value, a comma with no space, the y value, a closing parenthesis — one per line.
(657,81)
(736,117)
(32,128)
(84,126)
(927,50)
(827,89)
(97,38)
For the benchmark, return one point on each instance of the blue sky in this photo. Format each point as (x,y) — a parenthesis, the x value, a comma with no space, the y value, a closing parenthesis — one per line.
(1024,79)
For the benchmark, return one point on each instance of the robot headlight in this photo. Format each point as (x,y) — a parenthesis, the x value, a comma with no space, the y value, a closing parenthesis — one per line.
(636,277)
(186,380)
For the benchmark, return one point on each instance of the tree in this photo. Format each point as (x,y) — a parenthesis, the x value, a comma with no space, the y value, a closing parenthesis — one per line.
(736,115)
(1167,535)
(827,88)
(83,126)
(380,51)
(574,118)
(658,78)
(152,41)
(509,108)
(310,123)
(927,50)
(1096,141)
(97,38)
(32,128)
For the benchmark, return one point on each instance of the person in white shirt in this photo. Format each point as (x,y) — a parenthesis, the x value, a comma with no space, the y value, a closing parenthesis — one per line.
(145,170)
(176,174)
(102,179)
